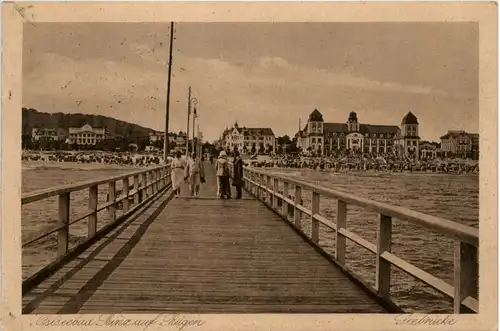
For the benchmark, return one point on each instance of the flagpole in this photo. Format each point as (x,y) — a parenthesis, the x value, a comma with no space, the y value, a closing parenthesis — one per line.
(189,114)
(166,147)
(194,125)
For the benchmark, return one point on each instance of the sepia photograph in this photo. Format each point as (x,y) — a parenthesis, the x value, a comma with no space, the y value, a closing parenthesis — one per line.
(219,167)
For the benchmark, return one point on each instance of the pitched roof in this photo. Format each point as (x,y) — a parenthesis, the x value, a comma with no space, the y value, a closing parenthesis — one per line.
(316,116)
(363,128)
(369,128)
(409,118)
(258,132)
(455,134)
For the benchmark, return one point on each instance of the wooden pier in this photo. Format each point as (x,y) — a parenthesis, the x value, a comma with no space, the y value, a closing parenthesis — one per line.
(207,255)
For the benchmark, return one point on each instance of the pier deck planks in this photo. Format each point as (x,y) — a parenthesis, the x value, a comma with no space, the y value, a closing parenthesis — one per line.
(202,255)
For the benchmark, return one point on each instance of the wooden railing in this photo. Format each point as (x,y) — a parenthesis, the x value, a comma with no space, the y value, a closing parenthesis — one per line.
(264,185)
(146,184)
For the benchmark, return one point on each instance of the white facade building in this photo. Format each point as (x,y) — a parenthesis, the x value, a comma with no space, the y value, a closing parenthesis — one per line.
(40,134)
(86,135)
(249,140)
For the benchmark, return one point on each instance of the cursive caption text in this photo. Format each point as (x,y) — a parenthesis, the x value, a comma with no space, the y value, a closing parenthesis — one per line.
(424,320)
(177,322)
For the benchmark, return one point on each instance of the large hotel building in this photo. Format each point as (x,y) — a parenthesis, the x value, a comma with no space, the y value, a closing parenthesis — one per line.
(324,138)
(248,139)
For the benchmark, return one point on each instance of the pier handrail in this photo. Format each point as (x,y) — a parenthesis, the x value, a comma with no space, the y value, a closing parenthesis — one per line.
(261,182)
(147,184)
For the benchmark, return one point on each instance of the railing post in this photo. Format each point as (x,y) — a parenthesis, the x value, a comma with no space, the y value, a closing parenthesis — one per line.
(63,233)
(92,222)
(263,182)
(136,189)
(112,198)
(269,194)
(158,180)
(284,205)
(125,202)
(340,224)
(163,181)
(154,178)
(297,214)
(144,185)
(314,221)
(256,178)
(465,274)
(147,180)
(276,186)
(383,276)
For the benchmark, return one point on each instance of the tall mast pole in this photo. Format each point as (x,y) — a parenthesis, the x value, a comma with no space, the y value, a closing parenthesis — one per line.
(194,125)
(166,147)
(189,114)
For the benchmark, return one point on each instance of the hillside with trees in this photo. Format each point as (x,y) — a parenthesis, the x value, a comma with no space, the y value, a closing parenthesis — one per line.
(31,118)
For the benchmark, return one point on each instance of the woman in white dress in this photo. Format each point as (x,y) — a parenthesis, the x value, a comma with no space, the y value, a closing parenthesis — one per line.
(177,173)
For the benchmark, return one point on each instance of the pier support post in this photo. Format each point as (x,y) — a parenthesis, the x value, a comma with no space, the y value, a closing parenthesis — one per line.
(284,205)
(314,221)
(465,275)
(384,237)
(125,202)
(63,233)
(92,222)
(297,214)
(340,240)
(112,198)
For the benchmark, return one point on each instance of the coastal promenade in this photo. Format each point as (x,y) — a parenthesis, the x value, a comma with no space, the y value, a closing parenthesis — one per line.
(206,255)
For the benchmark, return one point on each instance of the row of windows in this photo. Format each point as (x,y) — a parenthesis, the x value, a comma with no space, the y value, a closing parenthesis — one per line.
(45,133)
(85,141)
(366,135)
(85,135)
(366,143)
(381,149)
(373,141)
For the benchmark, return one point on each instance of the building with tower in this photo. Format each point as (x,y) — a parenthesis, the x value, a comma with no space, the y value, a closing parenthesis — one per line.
(408,141)
(322,138)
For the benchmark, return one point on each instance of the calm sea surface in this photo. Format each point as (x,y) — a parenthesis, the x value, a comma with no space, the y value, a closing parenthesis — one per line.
(454,197)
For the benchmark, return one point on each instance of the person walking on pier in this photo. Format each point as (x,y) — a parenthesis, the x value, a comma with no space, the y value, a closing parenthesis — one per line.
(238,173)
(194,173)
(222,170)
(177,173)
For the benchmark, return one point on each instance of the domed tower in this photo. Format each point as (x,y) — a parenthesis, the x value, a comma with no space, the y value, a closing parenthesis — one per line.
(352,122)
(315,122)
(410,139)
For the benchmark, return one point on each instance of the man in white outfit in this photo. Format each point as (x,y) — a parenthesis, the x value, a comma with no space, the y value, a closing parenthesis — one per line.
(194,171)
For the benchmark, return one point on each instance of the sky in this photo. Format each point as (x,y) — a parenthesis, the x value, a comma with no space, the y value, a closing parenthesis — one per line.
(258,74)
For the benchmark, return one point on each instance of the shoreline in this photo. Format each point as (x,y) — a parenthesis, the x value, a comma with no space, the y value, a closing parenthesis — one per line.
(34,165)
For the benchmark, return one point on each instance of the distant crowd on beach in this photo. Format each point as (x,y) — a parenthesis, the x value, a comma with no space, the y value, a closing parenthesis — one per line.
(356,162)
(107,158)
